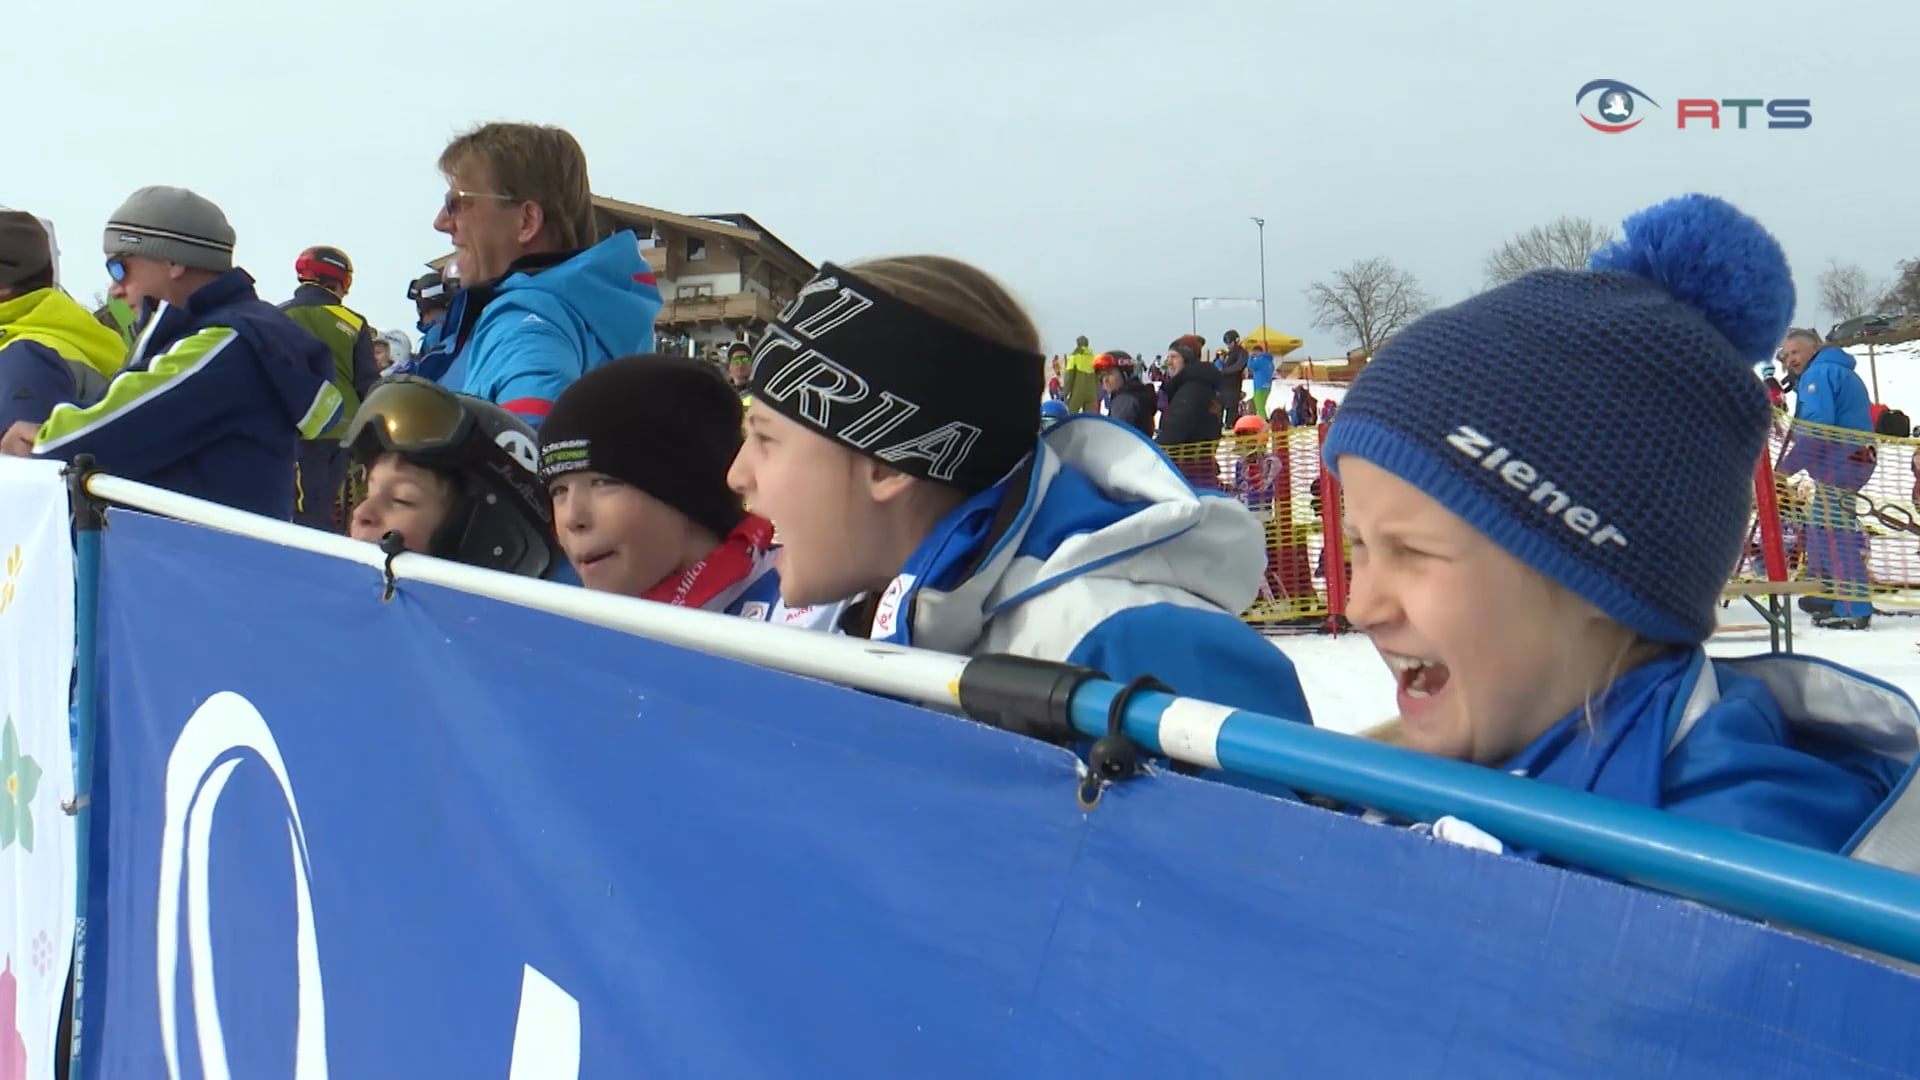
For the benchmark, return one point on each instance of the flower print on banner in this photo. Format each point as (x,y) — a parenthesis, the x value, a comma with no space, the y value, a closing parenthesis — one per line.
(22,777)
(15,563)
(42,953)
(13,1048)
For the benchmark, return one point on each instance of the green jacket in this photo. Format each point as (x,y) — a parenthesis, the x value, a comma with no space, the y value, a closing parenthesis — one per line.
(345,334)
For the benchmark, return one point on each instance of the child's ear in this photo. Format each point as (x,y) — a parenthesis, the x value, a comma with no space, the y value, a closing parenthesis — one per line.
(884,482)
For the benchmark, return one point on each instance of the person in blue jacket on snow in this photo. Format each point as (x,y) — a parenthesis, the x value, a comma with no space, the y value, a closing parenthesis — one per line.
(541,303)
(892,440)
(1540,571)
(1827,391)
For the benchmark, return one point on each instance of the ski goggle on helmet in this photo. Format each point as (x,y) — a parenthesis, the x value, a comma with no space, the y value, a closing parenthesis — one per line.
(425,422)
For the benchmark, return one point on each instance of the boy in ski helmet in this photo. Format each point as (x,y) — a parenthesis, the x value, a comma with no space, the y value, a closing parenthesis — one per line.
(932,499)
(455,476)
(635,457)
(1052,411)
(1540,574)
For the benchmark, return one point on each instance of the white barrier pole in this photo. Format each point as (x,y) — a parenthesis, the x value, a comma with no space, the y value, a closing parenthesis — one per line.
(915,674)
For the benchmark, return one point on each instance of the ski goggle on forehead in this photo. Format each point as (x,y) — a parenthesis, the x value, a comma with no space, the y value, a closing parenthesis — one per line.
(407,413)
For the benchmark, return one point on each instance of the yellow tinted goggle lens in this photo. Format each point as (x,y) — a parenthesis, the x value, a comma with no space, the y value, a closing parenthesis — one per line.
(409,415)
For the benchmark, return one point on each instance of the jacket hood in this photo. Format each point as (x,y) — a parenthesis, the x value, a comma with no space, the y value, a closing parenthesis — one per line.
(608,289)
(54,319)
(1097,501)
(1833,355)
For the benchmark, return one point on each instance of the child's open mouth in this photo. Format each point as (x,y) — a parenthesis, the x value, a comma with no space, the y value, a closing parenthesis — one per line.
(1419,679)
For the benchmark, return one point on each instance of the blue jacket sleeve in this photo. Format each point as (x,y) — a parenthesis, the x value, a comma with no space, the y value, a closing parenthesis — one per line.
(522,367)
(33,379)
(1202,654)
(151,419)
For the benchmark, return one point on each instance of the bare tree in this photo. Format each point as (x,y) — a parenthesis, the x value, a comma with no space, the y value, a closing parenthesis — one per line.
(1563,244)
(1846,293)
(1903,296)
(1369,301)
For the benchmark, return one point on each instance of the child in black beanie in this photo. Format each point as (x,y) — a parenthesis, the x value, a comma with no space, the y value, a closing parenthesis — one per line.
(635,456)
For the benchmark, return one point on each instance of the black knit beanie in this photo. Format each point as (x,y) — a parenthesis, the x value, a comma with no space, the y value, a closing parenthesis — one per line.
(668,425)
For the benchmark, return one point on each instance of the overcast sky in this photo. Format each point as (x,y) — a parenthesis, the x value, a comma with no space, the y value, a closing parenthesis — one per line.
(1101,158)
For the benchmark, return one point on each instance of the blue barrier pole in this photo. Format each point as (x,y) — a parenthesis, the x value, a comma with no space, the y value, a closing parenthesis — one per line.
(1858,903)
(88,519)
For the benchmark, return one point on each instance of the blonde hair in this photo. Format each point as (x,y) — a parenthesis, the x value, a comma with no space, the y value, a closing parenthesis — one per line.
(534,163)
(957,292)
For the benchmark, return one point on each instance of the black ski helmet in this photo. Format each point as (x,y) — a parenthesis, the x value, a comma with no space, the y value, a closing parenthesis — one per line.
(501,518)
(429,291)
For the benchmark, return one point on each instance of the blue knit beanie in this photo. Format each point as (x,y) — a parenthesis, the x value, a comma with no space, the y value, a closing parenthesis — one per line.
(1601,426)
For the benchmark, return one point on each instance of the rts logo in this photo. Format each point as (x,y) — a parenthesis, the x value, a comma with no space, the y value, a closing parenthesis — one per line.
(1611,106)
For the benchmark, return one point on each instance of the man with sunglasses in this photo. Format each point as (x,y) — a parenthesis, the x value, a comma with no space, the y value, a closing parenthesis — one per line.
(544,302)
(221,387)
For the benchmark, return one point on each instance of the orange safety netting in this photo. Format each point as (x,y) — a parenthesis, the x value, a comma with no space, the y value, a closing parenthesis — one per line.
(1278,476)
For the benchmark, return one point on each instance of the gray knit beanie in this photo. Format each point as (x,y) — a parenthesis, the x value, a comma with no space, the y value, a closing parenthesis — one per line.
(173,225)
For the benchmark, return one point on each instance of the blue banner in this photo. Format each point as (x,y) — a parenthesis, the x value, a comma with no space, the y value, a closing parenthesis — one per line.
(445,836)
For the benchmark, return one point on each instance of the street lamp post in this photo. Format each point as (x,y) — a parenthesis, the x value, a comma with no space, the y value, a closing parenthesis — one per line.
(1261,224)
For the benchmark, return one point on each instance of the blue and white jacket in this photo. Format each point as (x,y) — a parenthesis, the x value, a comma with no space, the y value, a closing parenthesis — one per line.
(213,403)
(1103,556)
(757,597)
(521,341)
(1788,747)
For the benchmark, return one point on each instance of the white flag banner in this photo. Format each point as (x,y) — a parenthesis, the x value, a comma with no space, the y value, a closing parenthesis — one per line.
(37,856)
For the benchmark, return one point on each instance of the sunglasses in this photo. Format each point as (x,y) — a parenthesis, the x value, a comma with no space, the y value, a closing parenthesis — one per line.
(117,270)
(456,201)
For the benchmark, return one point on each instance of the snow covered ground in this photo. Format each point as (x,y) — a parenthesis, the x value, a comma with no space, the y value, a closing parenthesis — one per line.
(1350,689)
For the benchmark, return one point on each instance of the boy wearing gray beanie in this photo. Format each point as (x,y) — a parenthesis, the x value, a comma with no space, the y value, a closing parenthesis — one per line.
(221,387)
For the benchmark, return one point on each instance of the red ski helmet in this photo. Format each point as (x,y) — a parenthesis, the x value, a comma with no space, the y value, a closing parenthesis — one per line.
(328,266)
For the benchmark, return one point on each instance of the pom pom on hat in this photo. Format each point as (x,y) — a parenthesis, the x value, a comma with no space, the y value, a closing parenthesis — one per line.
(1714,258)
(1600,426)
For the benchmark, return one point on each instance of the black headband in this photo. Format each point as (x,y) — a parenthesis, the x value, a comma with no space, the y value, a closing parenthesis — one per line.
(897,384)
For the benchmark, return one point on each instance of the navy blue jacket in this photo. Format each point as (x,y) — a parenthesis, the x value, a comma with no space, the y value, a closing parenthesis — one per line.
(213,402)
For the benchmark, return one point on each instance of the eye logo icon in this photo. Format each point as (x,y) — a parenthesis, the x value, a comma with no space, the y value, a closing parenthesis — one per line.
(1611,106)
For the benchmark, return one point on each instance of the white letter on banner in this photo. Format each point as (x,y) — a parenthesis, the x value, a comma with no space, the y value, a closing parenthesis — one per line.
(546,1039)
(225,723)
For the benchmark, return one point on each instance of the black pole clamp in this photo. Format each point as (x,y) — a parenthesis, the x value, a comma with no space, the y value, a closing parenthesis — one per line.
(89,510)
(1115,756)
(394,545)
